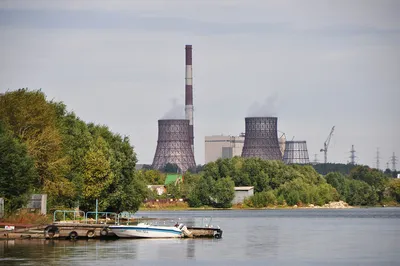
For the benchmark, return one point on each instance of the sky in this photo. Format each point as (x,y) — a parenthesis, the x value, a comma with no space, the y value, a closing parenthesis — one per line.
(314,64)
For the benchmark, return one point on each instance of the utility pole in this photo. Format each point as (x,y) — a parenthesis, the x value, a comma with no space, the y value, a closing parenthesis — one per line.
(353,155)
(377,158)
(394,160)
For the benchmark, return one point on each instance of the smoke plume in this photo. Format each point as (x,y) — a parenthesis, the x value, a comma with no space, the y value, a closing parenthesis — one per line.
(177,111)
(264,109)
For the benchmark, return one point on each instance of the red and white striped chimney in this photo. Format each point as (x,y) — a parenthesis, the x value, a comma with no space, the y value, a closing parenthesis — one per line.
(189,93)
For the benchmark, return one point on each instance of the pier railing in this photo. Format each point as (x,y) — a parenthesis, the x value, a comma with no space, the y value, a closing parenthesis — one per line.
(76,216)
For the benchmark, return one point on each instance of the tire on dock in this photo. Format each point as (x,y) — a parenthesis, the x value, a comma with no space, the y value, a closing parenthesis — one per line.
(73,235)
(51,231)
(90,234)
(104,231)
(218,234)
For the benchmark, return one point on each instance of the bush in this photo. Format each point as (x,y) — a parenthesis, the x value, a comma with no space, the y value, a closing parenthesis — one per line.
(261,199)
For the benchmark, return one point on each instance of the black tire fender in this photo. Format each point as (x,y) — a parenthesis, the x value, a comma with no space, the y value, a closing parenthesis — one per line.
(73,235)
(90,234)
(50,231)
(104,232)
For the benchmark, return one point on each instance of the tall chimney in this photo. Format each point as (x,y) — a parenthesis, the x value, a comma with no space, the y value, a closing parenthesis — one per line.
(189,93)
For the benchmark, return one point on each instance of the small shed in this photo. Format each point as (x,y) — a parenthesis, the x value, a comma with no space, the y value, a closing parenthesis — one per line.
(241,193)
(38,202)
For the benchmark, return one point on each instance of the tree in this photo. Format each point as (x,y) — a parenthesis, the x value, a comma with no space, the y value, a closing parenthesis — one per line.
(17,171)
(76,141)
(128,189)
(223,193)
(394,189)
(97,175)
(152,177)
(32,120)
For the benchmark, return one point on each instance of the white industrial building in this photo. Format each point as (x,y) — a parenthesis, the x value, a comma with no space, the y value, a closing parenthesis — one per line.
(219,146)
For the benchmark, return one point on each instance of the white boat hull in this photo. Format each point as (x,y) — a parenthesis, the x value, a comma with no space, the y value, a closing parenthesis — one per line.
(146,231)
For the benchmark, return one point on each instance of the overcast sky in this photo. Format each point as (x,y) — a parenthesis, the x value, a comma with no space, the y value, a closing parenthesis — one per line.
(317,64)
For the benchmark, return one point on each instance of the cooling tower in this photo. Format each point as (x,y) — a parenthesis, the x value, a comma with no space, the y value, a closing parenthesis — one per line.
(261,138)
(296,153)
(173,145)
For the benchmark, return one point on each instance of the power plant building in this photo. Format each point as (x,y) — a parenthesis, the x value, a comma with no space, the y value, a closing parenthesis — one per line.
(219,146)
(173,145)
(296,152)
(261,138)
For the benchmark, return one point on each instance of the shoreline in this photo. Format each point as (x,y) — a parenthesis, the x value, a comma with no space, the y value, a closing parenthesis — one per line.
(332,205)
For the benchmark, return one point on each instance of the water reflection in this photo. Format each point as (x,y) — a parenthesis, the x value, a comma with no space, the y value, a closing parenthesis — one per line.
(266,237)
(268,247)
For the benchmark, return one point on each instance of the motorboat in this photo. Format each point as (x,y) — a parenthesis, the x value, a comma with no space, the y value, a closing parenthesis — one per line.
(145,230)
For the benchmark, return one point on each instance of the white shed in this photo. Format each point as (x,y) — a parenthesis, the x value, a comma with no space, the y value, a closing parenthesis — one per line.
(241,193)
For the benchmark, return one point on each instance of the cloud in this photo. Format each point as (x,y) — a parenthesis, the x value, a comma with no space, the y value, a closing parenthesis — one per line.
(266,108)
(177,110)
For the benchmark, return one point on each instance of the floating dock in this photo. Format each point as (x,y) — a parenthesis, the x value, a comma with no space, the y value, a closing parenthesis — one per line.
(74,231)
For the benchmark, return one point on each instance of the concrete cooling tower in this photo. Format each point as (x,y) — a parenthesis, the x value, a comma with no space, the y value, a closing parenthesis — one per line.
(296,153)
(261,138)
(174,144)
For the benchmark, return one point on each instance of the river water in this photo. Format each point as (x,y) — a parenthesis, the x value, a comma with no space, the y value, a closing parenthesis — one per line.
(366,236)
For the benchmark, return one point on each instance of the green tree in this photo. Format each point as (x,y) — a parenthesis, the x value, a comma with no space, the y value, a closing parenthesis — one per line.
(32,120)
(76,140)
(128,189)
(152,177)
(17,171)
(223,193)
(201,193)
(97,175)
(394,189)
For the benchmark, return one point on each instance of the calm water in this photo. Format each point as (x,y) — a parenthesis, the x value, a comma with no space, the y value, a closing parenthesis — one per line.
(368,236)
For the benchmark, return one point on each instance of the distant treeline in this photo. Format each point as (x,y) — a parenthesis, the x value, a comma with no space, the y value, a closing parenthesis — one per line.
(326,168)
(278,184)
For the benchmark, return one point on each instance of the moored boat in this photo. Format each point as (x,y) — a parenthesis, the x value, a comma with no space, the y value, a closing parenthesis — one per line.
(144,230)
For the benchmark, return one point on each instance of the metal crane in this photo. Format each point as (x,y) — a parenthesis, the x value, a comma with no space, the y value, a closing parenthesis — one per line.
(326,144)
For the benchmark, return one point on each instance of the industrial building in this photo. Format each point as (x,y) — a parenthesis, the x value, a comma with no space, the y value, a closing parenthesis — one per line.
(173,145)
(219,146)
(296,152)
(261,138)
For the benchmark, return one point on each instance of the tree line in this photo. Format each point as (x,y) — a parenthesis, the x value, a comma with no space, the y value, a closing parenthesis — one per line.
(44,148)
(276,183)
